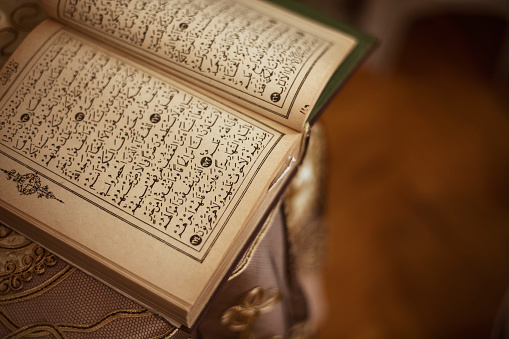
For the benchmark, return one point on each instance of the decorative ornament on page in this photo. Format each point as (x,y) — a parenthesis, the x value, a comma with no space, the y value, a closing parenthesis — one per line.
(242,318)
(22,259)
(30,183)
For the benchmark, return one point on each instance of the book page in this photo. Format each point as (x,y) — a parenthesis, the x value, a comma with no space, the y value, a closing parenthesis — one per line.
(250,52)
(113,155)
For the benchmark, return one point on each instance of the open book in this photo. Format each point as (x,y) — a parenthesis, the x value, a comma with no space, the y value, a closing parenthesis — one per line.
(146,141)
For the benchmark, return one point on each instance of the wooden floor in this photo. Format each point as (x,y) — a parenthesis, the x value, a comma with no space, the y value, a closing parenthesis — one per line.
(418,201)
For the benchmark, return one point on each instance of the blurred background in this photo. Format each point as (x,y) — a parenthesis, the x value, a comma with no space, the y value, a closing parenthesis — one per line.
(418,181)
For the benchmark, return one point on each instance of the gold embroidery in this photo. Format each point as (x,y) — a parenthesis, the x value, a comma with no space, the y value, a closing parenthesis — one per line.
(169,334)
(25,17)
(242,318)
(21,259)
(7,321)
(58,330)
(40,289)
(8,31)
(10,240)
(105,320)
(36,330)
(17,18)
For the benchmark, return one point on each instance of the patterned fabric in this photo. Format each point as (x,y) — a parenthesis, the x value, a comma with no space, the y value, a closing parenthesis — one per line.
(17,19)
(44,296)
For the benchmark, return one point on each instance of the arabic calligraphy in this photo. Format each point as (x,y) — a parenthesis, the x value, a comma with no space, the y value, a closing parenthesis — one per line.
(145,147)
(222,41)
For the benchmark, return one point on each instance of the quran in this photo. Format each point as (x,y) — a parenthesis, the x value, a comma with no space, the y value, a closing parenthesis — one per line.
(146,141)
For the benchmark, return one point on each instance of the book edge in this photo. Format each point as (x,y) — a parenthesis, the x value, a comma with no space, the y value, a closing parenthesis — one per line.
(365,45)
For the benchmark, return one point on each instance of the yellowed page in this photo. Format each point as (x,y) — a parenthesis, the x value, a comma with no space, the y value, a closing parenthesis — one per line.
(249,52)
(117,168)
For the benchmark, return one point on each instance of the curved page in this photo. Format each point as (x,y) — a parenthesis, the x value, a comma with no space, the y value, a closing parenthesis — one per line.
(253,53)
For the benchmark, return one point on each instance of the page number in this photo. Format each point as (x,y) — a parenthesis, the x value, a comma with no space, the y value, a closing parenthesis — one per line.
(305,109)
